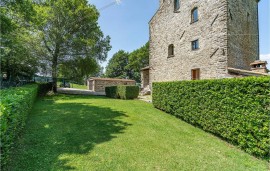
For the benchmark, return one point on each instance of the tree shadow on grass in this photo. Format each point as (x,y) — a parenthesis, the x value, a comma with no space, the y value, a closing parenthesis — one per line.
(57,129)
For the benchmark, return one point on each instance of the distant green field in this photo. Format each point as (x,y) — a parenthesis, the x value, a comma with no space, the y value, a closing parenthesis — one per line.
(77,86)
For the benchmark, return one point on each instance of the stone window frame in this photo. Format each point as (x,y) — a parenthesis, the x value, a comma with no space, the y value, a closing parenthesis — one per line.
(176,5)
(195,46)
(193,14)
(171,51)
(195,74)
(248,17)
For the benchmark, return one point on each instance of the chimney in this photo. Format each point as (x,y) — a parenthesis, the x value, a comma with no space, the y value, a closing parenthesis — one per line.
(259,66)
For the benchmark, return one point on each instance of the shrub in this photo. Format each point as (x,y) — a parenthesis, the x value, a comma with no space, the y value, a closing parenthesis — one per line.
(234,109)
(111,92)
(128,92)
(43,88)
(15,104)
(122,92)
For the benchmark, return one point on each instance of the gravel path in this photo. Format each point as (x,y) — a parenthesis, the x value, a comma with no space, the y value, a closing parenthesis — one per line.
(79,92)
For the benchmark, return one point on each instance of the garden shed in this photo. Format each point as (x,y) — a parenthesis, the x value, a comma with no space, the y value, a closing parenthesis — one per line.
(98,84)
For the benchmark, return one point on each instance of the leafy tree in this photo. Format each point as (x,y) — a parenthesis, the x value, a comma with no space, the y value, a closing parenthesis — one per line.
(138,59)
(16,56)
(128,65)
(69,32)
(116,67)
(78,69)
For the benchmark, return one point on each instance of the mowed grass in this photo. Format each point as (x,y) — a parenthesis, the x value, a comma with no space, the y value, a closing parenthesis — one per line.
(72,85)
(78,86)
(96,133)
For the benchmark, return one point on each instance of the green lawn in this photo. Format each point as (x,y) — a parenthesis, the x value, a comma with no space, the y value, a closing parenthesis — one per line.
(96,133)
(77,86)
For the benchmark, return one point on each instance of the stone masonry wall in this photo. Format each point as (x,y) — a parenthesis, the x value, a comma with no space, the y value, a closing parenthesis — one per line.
(169,27)
(243,45)
(145,78)
(99,85)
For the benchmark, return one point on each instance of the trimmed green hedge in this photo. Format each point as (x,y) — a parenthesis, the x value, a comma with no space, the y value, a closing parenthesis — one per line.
(44,88)
(111,92)
(234,109)
(15,104)
(122,92)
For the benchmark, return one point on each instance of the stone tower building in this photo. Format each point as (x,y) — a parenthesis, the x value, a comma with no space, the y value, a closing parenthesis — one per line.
(203,39)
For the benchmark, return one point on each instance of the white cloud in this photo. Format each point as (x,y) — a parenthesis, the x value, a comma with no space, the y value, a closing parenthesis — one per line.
(266,57)
(118,1)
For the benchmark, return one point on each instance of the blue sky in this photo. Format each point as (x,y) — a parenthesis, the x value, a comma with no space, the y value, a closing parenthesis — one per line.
(127,24)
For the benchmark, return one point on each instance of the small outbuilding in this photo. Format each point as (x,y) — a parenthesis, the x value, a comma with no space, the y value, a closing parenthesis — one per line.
(145,86)
(145,76)
(259,66)
(98,84)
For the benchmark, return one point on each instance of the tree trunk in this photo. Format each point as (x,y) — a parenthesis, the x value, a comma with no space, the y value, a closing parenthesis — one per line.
(54,74)
(54,67)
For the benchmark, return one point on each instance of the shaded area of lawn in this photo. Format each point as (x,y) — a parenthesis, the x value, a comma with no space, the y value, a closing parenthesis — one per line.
(56,128)
(97,133)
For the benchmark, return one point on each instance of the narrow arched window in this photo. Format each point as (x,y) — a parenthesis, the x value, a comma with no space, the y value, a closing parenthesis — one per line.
(195,44)
(176,5)
(194,15)
(171,50)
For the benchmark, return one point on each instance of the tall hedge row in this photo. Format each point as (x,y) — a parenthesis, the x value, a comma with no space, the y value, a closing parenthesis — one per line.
(122,92)
(15,104)
(237,110)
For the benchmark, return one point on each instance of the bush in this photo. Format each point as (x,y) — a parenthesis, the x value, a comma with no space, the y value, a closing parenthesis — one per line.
(128,92)
(122,92)
(111,92)
(44,88)
(15,104)
(234,109)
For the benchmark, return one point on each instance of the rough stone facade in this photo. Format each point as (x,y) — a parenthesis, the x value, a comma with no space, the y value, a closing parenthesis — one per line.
(99,84)
(145,77)
(227,31)
(243,33)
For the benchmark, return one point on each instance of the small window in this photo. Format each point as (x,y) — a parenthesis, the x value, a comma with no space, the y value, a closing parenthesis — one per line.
(195,74)
(195,44)
(171,50)
(248,17)
(194,15)
(176,5)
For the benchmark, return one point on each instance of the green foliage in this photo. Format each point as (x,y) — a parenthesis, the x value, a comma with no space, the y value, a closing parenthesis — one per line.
(69,30)
(111,92)
(117,64)
(122,92)
(128,92)
(138,59)
(17,57)
(78,69)
(234,109)
(44,88)
(95,133)
(15,104)
(128,65)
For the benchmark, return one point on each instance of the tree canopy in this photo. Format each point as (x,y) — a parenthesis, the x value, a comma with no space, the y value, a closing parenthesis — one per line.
(79,69)
(117,65)
(69,32)
(16,56)
(138,59)
(49,35)
(128,65)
